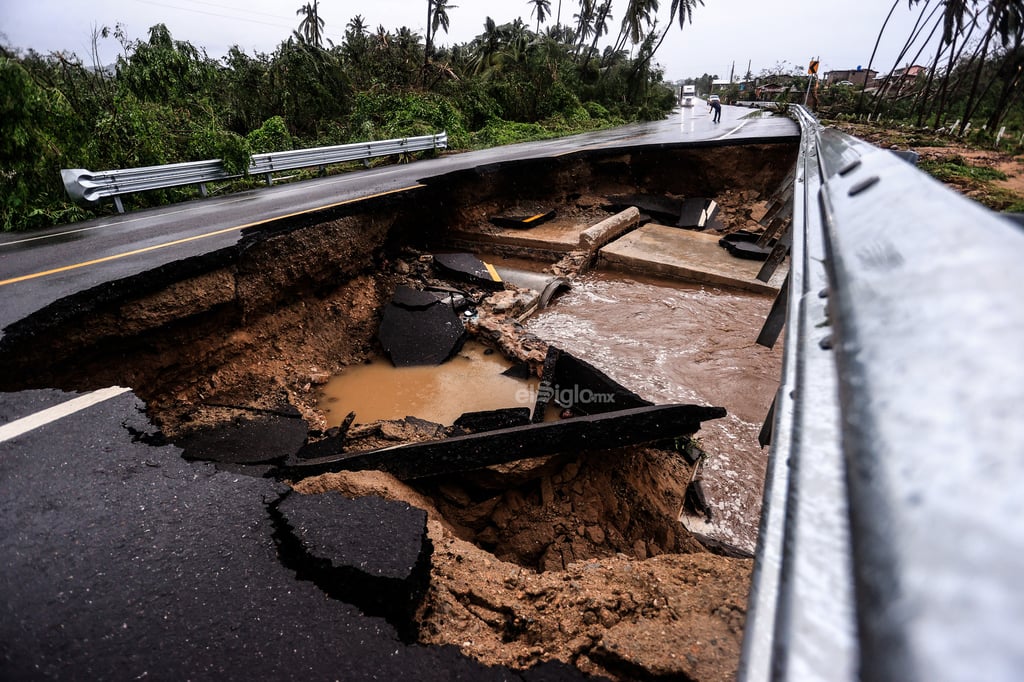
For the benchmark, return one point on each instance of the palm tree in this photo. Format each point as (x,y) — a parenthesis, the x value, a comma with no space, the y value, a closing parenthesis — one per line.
(311,26)
(1004,19)
(437,17)
(487,46)
(584,21)
(542,10)
(599,27)
(681,10)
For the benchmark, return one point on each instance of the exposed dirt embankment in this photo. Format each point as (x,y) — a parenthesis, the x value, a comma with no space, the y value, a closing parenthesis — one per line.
(252,326)
(575,558)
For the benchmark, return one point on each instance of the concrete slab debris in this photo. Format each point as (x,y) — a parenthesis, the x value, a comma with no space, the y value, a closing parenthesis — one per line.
(744,244)
(367,551)
(686,255)
(476,451)
(420,337)
(519,370)
(748,251)
(465,267)
(522,222)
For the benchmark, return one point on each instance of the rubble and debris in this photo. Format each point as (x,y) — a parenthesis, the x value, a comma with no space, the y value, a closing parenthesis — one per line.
(414,299)
(522,222)
(519,370)
(465,453)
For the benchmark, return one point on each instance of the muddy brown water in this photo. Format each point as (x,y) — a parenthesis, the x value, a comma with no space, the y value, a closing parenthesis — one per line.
(471,381)
(683,343)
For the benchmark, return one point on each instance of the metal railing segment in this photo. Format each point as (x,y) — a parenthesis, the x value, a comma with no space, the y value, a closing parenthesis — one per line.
(892,533)
(88,186)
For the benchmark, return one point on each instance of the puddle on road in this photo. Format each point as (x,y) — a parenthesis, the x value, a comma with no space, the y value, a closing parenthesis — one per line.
(471,381)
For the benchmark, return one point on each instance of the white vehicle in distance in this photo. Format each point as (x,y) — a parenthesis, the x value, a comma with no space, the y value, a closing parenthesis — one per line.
(689,92)
(713,98)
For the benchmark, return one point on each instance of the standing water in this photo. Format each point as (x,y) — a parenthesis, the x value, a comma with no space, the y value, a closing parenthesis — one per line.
(469,382)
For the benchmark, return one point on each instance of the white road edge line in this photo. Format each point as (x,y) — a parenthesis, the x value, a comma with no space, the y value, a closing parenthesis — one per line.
(722,137)
(52,414)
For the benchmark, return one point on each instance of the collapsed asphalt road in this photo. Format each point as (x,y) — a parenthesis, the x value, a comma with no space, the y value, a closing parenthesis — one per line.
(122,556)
(121,560)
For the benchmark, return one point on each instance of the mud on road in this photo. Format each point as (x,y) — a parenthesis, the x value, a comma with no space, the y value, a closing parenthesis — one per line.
(578,557)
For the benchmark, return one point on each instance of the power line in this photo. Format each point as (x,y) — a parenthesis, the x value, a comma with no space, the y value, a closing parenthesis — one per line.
(213,14)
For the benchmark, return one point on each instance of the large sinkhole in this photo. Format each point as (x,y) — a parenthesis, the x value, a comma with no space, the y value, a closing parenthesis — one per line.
(261,329)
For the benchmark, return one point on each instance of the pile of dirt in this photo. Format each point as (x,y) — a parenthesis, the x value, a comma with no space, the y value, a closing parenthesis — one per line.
(587,565)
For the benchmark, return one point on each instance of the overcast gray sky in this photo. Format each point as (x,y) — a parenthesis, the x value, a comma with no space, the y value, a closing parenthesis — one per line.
(723,32)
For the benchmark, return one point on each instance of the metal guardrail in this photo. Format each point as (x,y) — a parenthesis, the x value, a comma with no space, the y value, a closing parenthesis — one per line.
(88,186)
(892,532)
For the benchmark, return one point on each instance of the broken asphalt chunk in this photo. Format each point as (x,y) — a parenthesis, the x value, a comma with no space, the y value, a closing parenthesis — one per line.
(748,250)
(665,210)
(466,267)
(524,221)
(414,299)
(367,551)
(697,213)
(420,337)
(490,420)
(246,440)
(579,387)
(475,451)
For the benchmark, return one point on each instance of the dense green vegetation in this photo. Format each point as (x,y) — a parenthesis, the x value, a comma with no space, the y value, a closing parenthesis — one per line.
(167,101)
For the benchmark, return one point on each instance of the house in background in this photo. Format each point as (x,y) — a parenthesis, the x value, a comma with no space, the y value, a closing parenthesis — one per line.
(862,77)
(900,80)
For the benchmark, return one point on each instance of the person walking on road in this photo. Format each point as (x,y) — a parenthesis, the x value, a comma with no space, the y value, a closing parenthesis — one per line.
(716,106)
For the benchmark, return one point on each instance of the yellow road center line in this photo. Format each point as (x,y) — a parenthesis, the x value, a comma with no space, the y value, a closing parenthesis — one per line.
(534,217)
(185,240)
(494,273)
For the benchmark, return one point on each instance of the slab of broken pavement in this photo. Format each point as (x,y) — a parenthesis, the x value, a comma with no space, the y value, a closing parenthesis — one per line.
(127,556)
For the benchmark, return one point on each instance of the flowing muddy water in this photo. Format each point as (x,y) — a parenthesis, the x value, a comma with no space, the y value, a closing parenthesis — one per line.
(682,343)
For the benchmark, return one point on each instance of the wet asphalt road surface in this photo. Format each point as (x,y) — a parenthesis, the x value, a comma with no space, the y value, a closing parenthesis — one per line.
(121,560)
